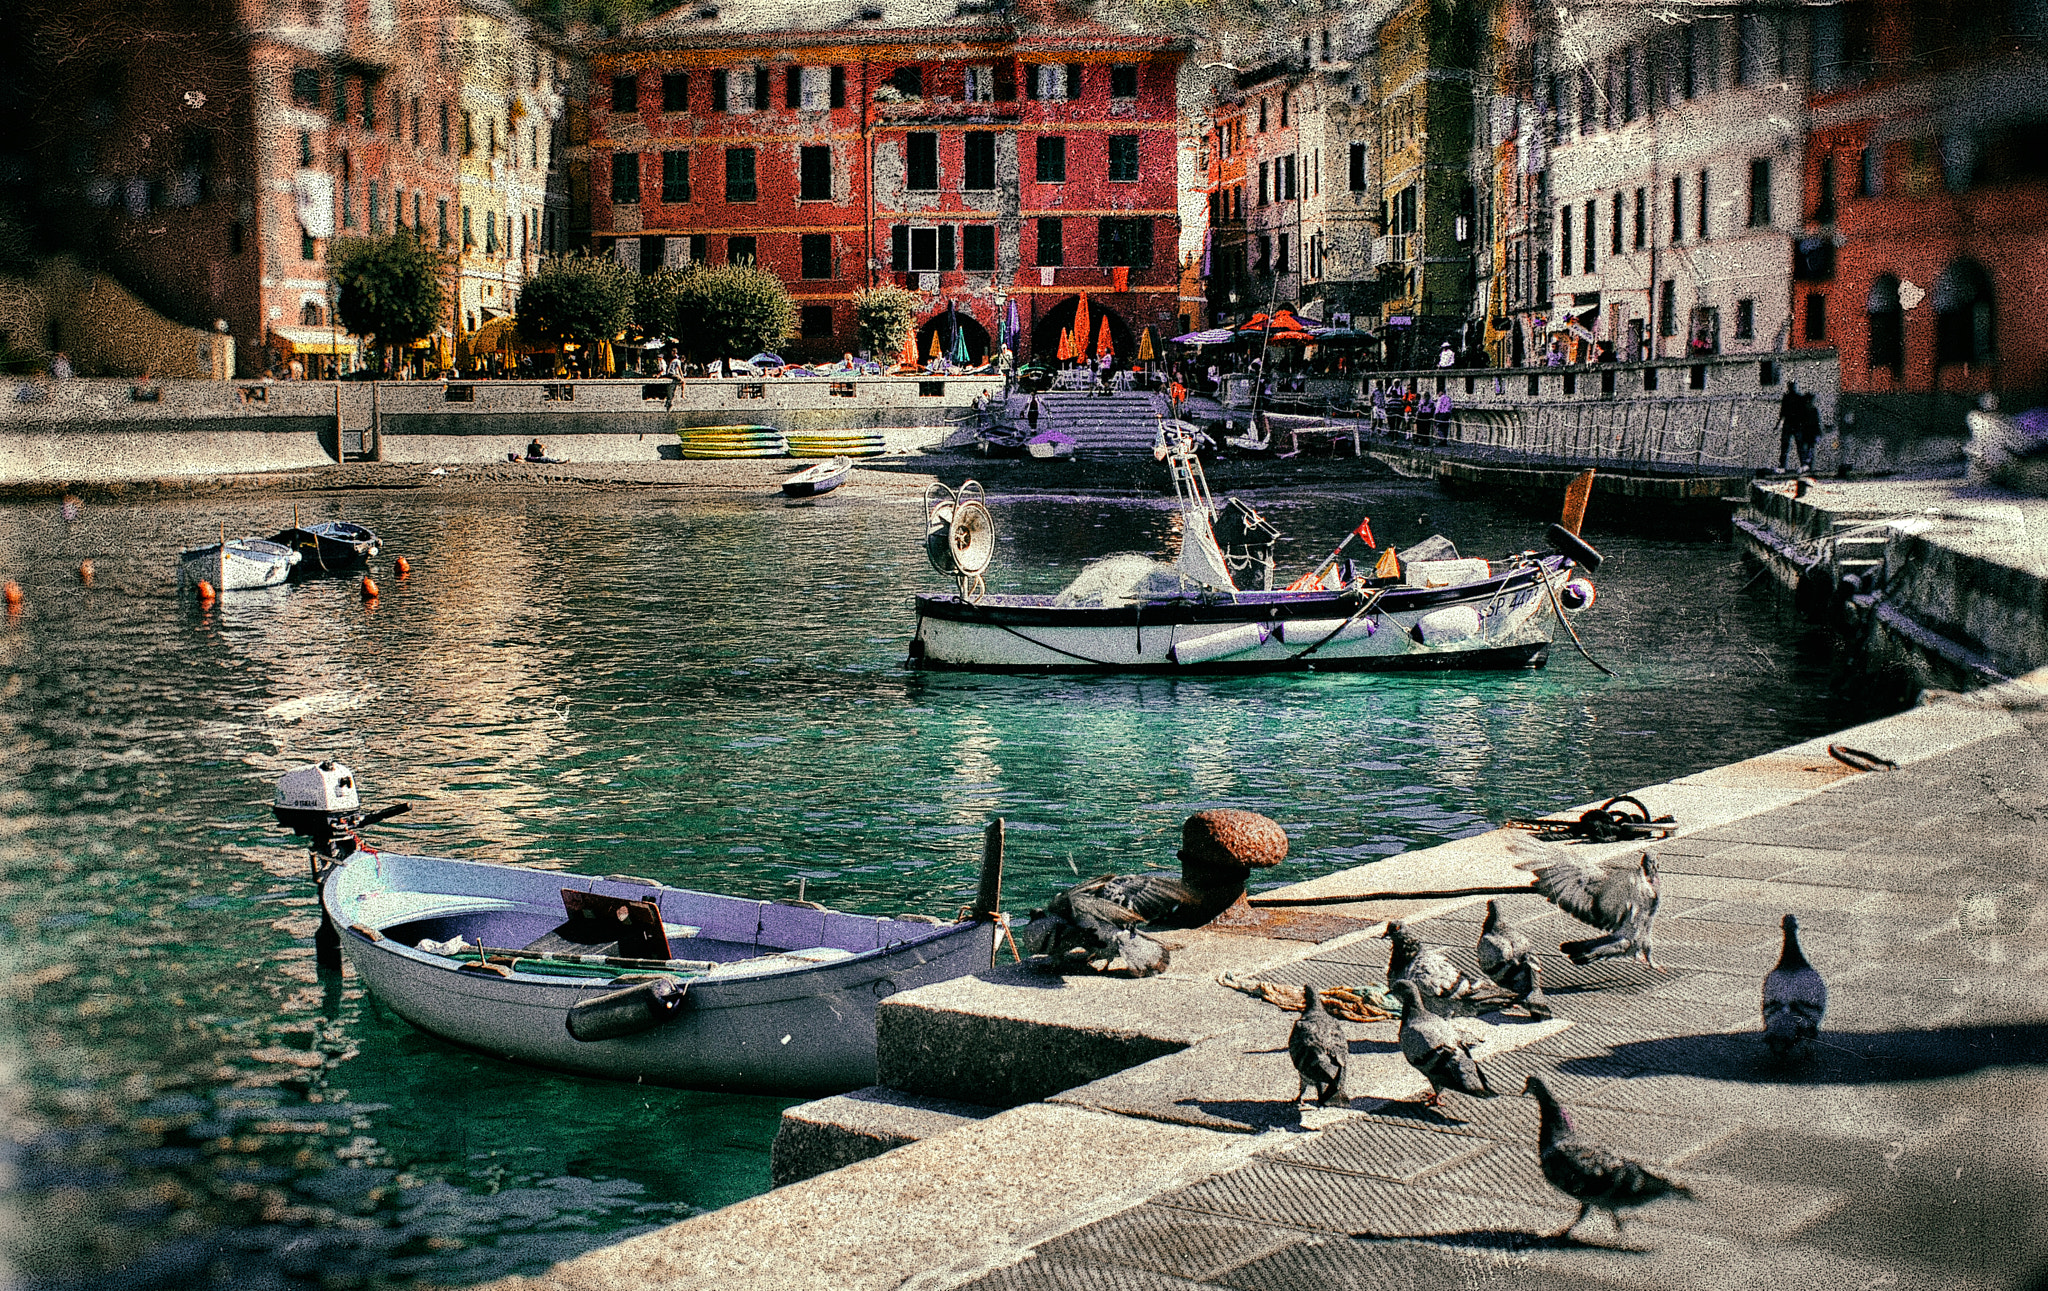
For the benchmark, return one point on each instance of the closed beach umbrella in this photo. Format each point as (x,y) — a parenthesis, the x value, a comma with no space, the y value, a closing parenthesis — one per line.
(1010,330)
(959,346)
(936,351)
(1145,351)
(1081,325)
(1066,350)
(1102,342)
(909,356)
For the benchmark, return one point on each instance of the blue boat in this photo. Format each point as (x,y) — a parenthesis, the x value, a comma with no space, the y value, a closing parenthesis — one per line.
(328,546)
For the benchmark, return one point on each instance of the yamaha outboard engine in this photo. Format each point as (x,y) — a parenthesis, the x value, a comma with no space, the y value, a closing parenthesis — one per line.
(319,803)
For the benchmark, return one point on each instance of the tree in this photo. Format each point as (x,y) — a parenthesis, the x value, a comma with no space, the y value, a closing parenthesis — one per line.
(882,317)
(576,298)
(656,297)
(389,287)
(732,309)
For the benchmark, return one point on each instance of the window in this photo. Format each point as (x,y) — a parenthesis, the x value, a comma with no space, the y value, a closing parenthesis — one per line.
(740,250)
(1745,320)
(305,149)
(814,171)
(675,176)
(739,175)
(1824,181)
(1816,316)
(1073,79)
(468,135)
(1049,239)
(1564,241)
(625,177)
(908,81)
(306,87)
(340,98)
(1281,265)
(817,255)
(1702,200)
(792,87)
(1963,320)
(1005,82)
(675,91)
(1614,243)
(1264,264)
(1129,242)
(921,161)
(309,249)
(1052,160)
(978,248)
(1677,210)
(1283,109)
(440,221)
(1262,116)
(490,233)
(625,94)
(1357,167)
(1123,81)
(376,214)
(979,148)
(1759,192)
(493,135)
(415,122)
(929,250)
(836,87)
(1592,235)
(1642,219)
(979,85)
(761,79)
(1053,80)
(1667,308)
(1286,172)
(1869,175)
(1887,325)
(468,233)
(1263,178)
(720,86)
(815,322)
(1123,159)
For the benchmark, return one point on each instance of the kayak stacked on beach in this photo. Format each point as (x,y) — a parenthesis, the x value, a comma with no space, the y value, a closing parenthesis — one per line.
(835,443)
(704,443)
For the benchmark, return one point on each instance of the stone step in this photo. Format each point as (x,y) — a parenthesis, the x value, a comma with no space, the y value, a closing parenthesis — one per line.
(832,1132)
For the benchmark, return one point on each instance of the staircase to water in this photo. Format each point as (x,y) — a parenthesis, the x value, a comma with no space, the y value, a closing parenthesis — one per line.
(1126,422)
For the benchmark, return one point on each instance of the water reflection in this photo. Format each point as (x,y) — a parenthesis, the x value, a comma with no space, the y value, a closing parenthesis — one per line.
(707,694)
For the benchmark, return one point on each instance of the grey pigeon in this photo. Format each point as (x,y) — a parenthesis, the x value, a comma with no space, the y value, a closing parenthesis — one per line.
(1795,999)
(1507,957)
(1446,990)
(1098,918)
(1433,1047)
(1318,1048)
(1621,901)
(1144,956)
(1597,1178)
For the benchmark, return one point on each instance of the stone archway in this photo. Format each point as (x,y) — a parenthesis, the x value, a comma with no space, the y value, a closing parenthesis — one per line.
(979,346)
(1045,334)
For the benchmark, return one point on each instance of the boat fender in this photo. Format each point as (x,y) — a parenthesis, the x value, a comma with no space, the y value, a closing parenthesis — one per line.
(634,1009)
(1577,594)
(1237,640)
(1447,626)
(1566,543)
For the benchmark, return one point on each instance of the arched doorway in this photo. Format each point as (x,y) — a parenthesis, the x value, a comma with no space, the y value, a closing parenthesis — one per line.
(1963,314)
(976,336)
(1045,334)
(1887,325)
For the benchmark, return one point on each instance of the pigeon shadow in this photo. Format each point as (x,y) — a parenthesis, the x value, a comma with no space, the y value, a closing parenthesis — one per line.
(1506,1241)
(1250,1113)
(1840,1058)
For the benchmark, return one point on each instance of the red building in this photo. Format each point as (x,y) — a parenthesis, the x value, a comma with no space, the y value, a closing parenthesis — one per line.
(982,161)
(1925,260)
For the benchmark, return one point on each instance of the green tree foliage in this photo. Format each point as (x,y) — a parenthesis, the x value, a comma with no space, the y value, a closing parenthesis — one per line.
(883,316)
(731,310)
(389,287)
(576,298)
(656,297)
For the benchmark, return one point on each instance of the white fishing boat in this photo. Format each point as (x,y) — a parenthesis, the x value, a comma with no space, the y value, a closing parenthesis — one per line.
(622,977)
(236,564)
(1426,608)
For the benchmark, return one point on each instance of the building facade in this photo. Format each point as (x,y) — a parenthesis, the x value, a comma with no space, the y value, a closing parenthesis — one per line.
(1924,213)
(988,163)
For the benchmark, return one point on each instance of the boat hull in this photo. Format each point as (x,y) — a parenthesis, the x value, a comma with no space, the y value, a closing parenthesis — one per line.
(799,1031)
(814,480)
(328,547)
(250,563)
(1503,622)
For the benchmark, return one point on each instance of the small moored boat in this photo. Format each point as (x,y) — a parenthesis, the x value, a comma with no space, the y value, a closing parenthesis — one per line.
(236,564)
(822,478)
(622,977)
(327,546)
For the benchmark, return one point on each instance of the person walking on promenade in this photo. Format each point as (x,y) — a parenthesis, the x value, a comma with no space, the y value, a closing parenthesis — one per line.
(1031,414)
(1443,416)
(1379,408)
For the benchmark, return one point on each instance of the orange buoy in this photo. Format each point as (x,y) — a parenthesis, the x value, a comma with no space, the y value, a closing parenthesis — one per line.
(12,594)
(369,588)
(403,566)
(205,590)
(85,572)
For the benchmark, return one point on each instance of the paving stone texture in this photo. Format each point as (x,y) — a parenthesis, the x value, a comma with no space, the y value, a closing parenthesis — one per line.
(1911,1152)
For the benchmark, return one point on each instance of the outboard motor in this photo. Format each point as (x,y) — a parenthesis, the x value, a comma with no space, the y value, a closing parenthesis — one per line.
(319,803)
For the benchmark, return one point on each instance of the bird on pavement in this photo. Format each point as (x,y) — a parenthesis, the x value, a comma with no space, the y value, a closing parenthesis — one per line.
(1318,1049)
(1102,916)
(1596,1177)
(1621,901)
(1795,999)
(1446,990)
(1507,957)
(1433,1047)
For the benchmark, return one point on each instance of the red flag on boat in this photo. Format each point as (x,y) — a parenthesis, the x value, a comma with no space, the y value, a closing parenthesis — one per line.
(1364,530)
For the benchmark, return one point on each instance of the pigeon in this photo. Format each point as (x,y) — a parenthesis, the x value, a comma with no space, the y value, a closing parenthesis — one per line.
(1144,956)
(1318,1048)
(1433,1047)
(1621,901)
(1507,957)
(1795,999)
(1597,1178)
(1446,990)
(1101,917)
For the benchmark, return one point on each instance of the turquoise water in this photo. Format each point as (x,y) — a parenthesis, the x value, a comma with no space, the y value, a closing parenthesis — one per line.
(704,693)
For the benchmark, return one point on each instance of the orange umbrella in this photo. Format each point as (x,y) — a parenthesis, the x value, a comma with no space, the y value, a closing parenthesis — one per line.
(936,351)
(1081,325)
(1066,350)
(1102,342)
(908,358)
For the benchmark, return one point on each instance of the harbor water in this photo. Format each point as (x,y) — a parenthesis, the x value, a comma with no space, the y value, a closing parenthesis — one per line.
(706,693)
